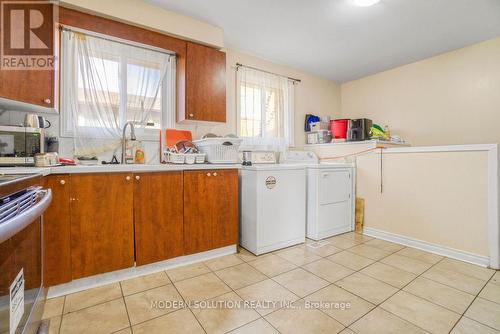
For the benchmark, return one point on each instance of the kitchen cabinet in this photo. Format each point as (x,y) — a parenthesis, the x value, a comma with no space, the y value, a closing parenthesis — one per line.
(205,84)
(158,212)
(56,232)
(210,209)
(102,223)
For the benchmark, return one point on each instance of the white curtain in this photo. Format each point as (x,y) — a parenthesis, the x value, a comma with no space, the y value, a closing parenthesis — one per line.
(106,83)
(265,104)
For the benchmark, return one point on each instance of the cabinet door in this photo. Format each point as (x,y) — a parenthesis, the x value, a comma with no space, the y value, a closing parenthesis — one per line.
(198,198)
(34,87)
(102,226)
(158,211)
(335,186)
(224,185)
(205,84)
(56,232)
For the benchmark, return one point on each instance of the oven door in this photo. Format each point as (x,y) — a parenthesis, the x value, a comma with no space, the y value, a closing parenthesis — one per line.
(22,295)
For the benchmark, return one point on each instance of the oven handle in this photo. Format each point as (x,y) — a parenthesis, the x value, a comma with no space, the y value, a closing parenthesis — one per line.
(13,226)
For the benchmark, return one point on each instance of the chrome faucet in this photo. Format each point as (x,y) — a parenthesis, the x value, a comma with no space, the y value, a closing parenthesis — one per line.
(124,139)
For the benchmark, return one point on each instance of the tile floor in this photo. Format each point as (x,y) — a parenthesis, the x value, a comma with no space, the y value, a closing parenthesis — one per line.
(351,284)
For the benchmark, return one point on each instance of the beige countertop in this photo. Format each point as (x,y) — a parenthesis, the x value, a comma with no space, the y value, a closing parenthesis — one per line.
(114,168)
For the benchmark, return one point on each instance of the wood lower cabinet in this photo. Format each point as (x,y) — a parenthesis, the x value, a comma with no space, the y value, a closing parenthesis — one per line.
(102,223)
(158,212)
(210,209)
(56,232)
(205,84)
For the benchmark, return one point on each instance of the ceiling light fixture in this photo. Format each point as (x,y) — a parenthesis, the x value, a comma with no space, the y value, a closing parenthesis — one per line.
(365,3)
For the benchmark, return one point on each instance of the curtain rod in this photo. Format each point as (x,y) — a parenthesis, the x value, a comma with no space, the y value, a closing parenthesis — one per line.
(238,65)
(116,39)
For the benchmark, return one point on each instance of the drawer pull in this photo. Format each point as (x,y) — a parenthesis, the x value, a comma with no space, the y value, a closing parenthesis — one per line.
(62,182)
(127,178)
(137,177)
(215,174)
(208,174)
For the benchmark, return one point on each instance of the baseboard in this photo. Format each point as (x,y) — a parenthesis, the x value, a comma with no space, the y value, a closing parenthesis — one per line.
(124,274)
(483,261)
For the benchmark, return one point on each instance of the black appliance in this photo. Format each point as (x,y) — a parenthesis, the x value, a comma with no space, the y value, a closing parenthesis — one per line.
(359,129)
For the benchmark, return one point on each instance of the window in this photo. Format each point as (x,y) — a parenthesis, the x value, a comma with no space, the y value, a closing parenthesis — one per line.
(106,83)
(265,108)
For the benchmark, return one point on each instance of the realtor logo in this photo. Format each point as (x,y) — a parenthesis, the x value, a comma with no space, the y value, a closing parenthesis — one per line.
(27,35)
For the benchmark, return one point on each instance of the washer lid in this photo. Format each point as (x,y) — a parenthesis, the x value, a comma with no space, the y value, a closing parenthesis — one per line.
(275,167)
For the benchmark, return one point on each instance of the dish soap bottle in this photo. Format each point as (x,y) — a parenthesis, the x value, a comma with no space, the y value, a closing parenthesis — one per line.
(140,157)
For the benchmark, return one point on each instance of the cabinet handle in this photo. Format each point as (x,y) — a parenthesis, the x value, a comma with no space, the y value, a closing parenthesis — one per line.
(62,182)
(47,101)
(208,174)
(127,178)
(191,115)
(215,174)
(137,177)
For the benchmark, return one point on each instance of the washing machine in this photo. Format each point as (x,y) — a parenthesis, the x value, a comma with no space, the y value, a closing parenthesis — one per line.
(273,204)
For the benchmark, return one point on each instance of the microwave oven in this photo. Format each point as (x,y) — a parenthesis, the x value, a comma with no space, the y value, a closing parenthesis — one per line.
(18,145)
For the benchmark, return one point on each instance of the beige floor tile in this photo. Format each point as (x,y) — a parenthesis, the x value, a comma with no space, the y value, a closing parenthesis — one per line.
(299,255)
(103,318)
(223,315)
(91,297)
(300,282)
(420,312)
(443,295)
(384,245)
(389,274)
(301,320)
(53,307)
(496,278)
(342,242)
(223,262)
(341,305)
(358,237)
(347,331)
(381,321)
(325,249)
(455,279)
(420,255)
(328,270)
(414,266)
(272,265)
(466,269)
(201,287)
(54,324)
(350,260)
(369,252)
(189,271)
(152,303)
(259,326)
(124,331)
(367,288)
(491,292)
(485,312)
(240,276)
(265,293)
(144,283)
(246,256)
(179,322)
(468,326)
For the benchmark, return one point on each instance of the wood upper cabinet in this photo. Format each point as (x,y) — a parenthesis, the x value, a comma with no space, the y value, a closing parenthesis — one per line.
(56,232)
(210,209)
(205,84)
(102,223)
(158,211)
(29,86)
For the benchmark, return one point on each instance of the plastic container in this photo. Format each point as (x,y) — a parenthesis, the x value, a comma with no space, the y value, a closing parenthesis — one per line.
(220,150)
(338,128)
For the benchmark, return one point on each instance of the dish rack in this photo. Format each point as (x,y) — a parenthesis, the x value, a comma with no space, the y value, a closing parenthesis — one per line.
(185,158)
(220,150)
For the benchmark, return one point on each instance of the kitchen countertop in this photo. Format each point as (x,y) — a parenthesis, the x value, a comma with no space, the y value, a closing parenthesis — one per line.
(114,168)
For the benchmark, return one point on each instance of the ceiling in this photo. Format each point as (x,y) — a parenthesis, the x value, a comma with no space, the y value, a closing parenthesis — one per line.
(342,42)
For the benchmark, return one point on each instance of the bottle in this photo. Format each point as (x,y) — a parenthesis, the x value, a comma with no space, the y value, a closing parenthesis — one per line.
(140,157)
(387,133)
